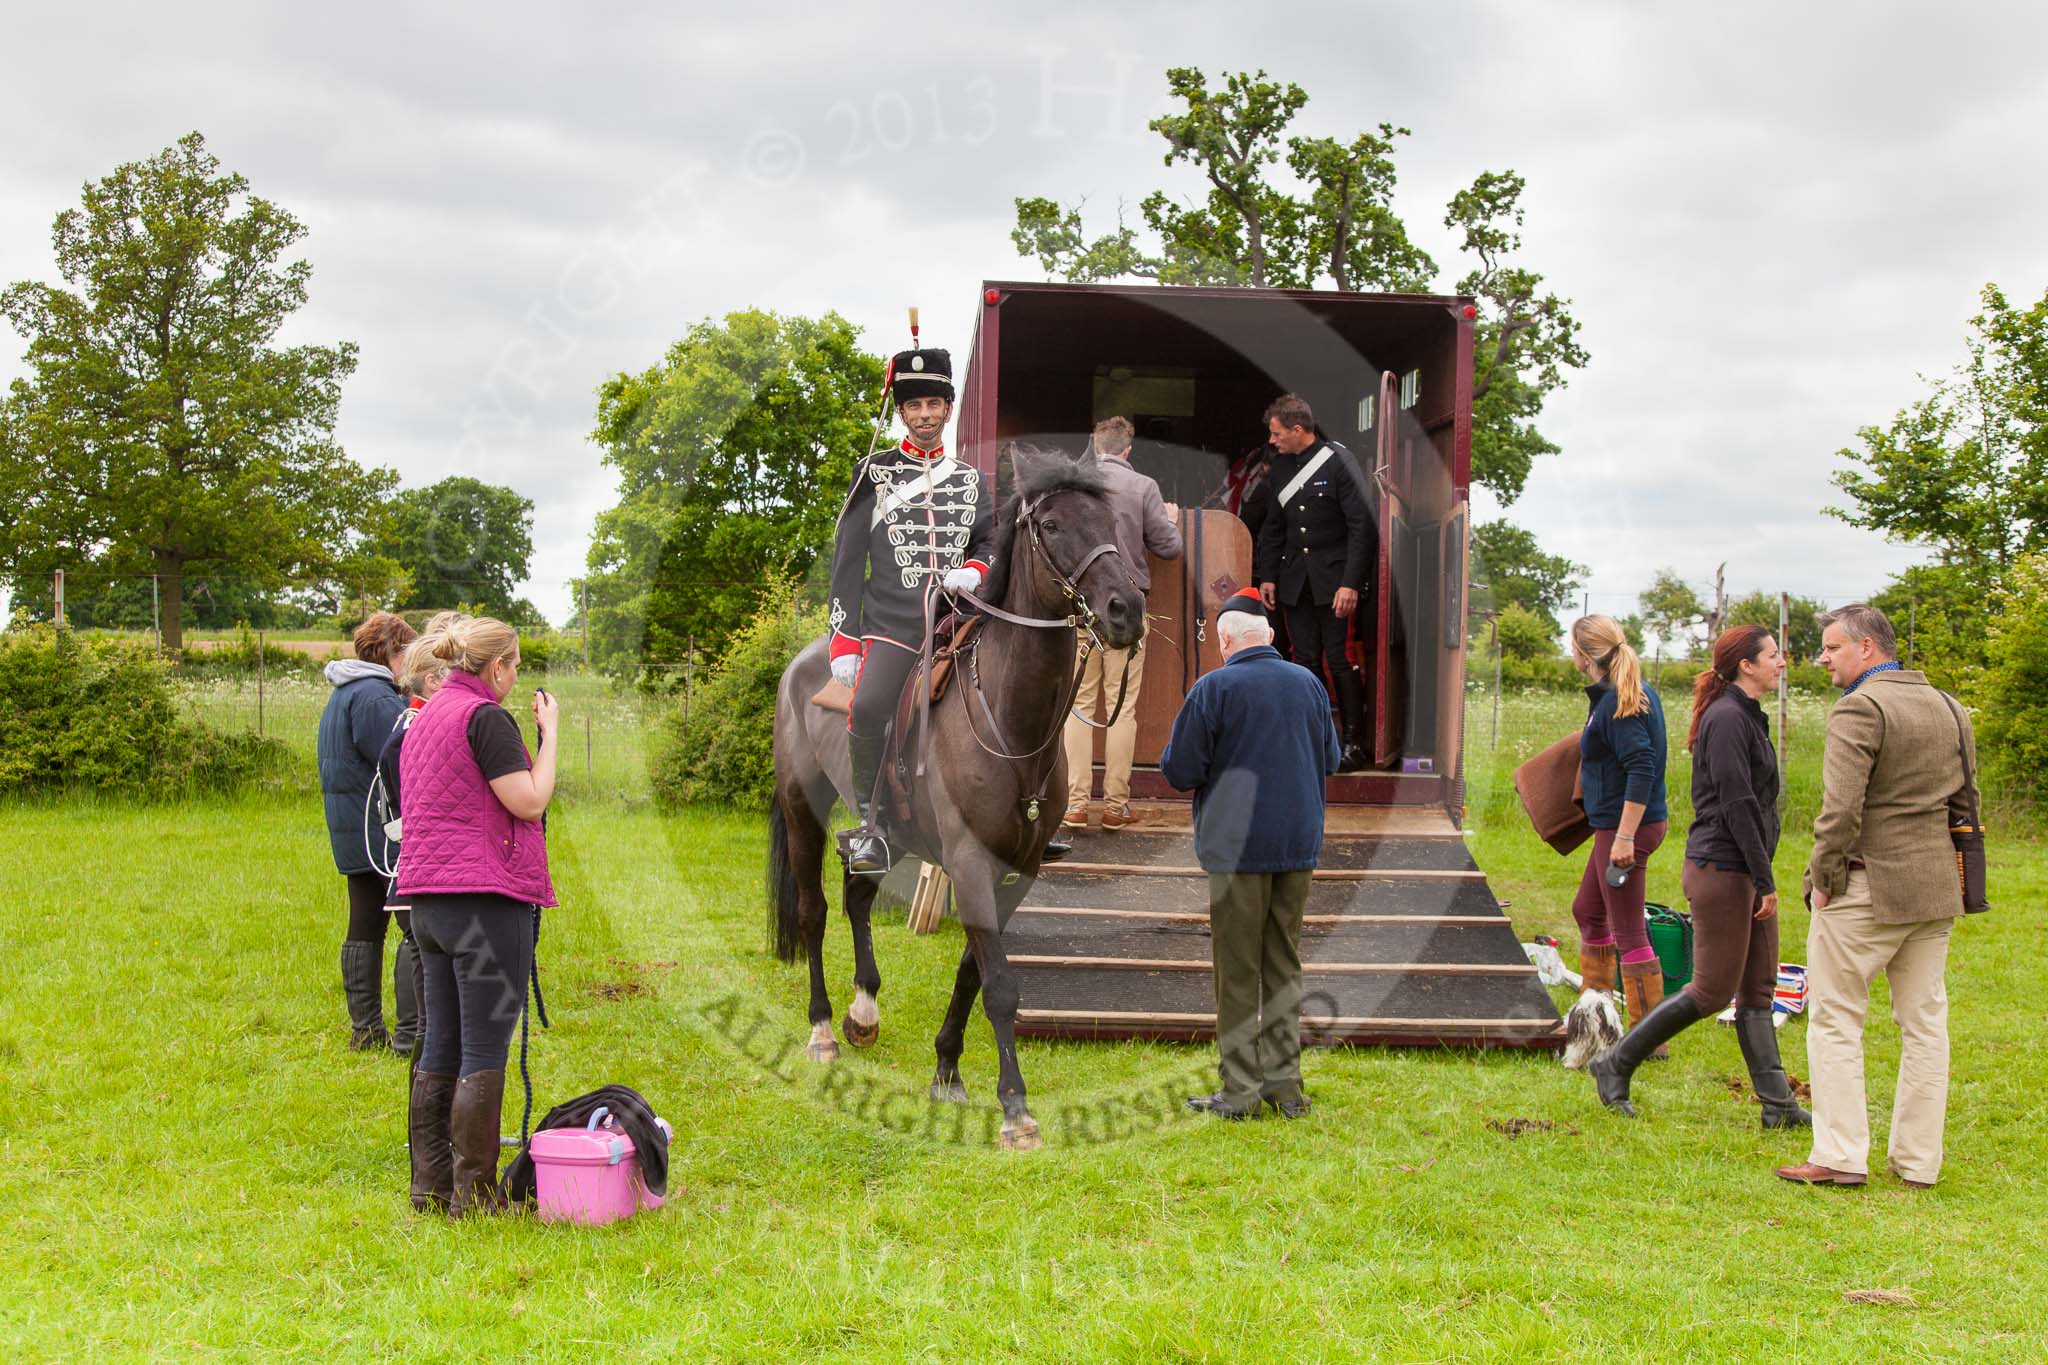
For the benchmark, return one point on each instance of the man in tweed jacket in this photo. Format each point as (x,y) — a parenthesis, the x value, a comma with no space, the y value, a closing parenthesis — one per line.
(1884,890)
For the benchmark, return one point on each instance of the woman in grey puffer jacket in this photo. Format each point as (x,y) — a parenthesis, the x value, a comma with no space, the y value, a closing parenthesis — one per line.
(353,728)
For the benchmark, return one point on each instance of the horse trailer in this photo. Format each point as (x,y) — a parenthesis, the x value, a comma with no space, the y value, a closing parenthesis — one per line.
(1402,941)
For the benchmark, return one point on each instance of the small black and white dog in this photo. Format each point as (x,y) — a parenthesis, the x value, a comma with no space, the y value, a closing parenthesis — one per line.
(1593,1026)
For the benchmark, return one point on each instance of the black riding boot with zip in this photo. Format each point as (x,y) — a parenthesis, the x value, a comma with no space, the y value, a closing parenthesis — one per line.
(1755,1031)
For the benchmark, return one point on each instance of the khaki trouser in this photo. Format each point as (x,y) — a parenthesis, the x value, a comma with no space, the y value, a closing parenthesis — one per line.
(1846,948)
(1255,960)
(1100,678)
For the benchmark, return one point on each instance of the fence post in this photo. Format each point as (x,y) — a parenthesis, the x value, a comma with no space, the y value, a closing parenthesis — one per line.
(1493,624)
(156,615)
(689,678)
(259,684)
(1784,717)
(584,594)
(57,593)
(588,770)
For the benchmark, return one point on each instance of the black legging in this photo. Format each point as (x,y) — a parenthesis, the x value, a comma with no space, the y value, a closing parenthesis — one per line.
(367,918)
(475,953)
(368,912)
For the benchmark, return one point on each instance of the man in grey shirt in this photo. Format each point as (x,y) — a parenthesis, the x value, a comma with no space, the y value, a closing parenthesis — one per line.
(1146,525)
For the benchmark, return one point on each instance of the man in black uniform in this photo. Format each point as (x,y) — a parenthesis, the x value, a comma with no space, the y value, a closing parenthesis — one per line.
(915,520)
(1318,542)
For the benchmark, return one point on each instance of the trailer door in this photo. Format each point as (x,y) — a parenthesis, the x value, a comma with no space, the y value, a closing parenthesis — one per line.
(1380,481)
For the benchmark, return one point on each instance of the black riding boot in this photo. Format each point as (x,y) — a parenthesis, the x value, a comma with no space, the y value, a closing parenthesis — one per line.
(405,1000)
(1611,1069)
(1351,706)
(867,854)
(1753,1029)
(362,965)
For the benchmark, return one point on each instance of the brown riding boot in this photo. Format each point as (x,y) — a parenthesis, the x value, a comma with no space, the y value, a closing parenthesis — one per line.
(1642,987)
(473,1132)
(426,1137)
(1596,967)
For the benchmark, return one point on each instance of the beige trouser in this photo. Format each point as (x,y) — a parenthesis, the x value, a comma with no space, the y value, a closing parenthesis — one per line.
(1846,948)
(1100,678)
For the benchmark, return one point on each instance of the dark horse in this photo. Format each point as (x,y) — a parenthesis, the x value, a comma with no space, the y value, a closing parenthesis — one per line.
(995,784)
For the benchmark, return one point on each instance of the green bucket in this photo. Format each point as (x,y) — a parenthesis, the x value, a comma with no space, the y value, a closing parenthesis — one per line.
(1671,936)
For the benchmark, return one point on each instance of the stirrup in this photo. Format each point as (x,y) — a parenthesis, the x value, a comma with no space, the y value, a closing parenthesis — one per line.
(847,838)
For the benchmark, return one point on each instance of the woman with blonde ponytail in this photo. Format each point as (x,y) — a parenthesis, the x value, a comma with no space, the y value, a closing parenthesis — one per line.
(475,868)
(1621,769)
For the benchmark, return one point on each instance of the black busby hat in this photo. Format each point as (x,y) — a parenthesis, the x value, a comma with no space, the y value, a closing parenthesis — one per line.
(921,374)
(1248,601)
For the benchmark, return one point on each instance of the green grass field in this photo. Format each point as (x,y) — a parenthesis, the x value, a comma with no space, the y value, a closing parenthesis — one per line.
(194,1168)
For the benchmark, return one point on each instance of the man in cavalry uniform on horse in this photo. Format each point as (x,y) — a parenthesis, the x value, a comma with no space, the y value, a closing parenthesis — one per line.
(916,520)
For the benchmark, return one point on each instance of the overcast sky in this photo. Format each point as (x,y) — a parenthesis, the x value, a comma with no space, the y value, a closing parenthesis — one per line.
(1770,218)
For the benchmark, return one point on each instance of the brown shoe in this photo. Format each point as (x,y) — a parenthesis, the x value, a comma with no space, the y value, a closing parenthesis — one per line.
(1807,1173)
(1075,818)
(1116,817)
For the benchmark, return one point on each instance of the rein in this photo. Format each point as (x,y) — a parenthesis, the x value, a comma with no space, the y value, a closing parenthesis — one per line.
(1081,617)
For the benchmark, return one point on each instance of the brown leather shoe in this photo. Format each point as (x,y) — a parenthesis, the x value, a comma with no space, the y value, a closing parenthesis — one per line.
(1807,1173)
(1075,818)
(1116,817)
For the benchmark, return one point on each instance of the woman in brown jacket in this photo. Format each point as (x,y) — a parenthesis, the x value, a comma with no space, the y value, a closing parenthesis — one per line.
(1727,880)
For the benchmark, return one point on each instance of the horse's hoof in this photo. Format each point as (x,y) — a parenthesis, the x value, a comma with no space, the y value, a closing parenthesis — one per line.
(1020,1135)
(859,1034)
(824,1047)
(948,1092)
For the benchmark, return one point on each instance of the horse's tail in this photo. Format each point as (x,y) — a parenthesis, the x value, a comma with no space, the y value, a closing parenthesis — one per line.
(783,935)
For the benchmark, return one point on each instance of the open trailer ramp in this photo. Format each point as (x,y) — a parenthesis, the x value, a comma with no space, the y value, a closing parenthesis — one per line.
(1402,942)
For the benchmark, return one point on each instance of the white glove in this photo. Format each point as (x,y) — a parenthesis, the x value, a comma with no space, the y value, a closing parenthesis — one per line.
(845,669)
(966,578)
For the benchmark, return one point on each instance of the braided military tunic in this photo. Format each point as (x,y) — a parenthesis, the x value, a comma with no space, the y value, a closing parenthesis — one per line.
(910,518)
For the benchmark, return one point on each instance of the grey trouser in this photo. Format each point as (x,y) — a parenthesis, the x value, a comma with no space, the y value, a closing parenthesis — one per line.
(1255,952)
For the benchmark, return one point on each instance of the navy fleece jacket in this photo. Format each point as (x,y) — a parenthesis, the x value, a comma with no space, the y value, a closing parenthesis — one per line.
(1254,742)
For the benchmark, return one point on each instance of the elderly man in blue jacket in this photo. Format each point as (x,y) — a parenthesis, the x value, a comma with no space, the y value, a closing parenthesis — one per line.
(1254,742)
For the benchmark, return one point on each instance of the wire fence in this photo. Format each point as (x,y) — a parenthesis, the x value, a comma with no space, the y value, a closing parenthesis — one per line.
(609,729)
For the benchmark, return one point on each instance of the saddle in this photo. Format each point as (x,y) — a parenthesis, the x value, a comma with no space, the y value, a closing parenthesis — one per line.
(951,637)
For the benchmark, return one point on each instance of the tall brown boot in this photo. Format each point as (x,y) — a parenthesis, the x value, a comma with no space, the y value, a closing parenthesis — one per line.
(1596,967)
(1642,988)
(473,1132)
(426,1137)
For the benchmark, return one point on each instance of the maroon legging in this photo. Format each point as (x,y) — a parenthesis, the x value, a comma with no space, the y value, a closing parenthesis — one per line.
(1615,913)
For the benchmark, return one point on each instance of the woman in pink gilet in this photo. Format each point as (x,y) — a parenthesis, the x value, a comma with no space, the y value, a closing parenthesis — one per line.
(474,865)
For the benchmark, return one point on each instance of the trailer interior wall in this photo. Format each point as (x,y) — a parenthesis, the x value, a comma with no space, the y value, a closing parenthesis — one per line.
(1048,361)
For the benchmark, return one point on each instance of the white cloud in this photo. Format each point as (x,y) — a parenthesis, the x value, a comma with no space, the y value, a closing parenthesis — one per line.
(1770,219)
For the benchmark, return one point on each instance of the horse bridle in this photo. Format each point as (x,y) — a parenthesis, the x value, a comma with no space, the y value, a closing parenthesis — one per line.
(1080,617)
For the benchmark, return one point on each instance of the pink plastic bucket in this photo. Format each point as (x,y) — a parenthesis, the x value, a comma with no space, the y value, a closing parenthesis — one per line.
(588,1175)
